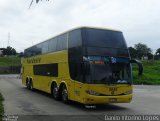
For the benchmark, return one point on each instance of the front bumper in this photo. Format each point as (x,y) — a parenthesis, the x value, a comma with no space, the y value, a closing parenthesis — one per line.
(91,99)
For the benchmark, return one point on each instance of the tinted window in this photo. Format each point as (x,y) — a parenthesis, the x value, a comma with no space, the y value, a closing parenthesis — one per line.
(117,73)
(52,45)
(55,44)
(104,38)
(75,38)
(62,42)
(38,49)
(76,71)
(46,70)
(35,50)
(27,53)
(44,47)
(106,51)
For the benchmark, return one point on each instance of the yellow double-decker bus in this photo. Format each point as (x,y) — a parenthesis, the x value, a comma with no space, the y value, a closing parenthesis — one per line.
(87,65)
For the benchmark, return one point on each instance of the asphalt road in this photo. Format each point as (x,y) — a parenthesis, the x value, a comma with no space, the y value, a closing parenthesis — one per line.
(39,106)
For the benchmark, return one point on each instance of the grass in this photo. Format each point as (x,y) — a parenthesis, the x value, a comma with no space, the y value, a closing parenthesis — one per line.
(1,107)
(151,73)
(10,61)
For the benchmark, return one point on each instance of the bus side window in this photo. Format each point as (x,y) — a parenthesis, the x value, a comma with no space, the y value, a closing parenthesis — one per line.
(45,47)
(75,38)
(62,42)
(52,45)
(46,69)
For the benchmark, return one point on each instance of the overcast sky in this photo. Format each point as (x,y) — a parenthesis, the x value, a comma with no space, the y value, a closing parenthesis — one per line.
(138,19)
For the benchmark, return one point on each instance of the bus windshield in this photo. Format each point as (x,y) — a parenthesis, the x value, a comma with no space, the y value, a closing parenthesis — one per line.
(110,74)
(109,71)
(104,38)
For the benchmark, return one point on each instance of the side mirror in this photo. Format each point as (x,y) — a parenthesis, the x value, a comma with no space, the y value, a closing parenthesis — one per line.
(139,63)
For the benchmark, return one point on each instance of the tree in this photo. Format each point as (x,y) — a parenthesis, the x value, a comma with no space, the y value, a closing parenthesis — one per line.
(9,51)
(158,51)
(157,54)
(142,50)
(150,56)
(133,52)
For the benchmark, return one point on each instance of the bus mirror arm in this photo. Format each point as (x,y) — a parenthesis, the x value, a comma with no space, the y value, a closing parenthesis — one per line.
(139,63)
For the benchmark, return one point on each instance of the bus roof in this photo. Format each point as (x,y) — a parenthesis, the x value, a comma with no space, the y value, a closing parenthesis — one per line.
(81,27)
(91,28)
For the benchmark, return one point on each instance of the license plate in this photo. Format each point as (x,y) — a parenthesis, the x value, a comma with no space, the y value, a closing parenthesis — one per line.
(112,99)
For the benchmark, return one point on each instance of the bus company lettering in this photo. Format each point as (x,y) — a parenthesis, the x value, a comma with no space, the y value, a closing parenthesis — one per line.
(34,60)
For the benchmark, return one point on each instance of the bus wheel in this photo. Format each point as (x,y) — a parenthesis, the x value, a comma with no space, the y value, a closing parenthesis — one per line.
(55,92)
(27,84)
(64,94)
(31,85)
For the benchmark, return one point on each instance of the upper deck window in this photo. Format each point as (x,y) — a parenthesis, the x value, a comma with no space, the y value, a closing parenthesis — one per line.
(75,38)
(104,38)
(52,45)
(62,42)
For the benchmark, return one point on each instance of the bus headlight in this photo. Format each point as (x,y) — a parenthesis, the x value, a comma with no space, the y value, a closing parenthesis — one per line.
(91,92)
(128,92)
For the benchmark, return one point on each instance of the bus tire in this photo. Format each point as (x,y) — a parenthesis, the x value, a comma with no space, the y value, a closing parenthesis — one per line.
(55,92)
(27,83)
(31,85)
(64,94)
